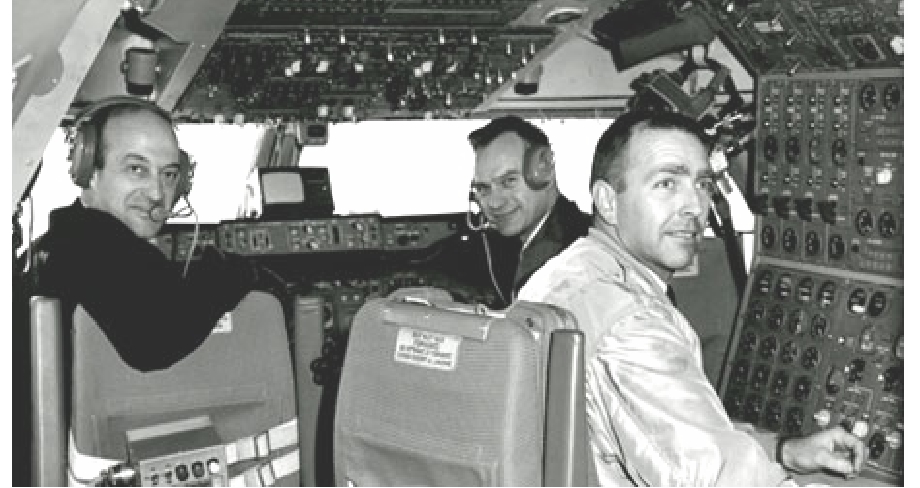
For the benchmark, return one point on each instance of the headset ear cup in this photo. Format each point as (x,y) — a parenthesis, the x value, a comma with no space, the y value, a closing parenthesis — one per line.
(185,175)
(83,154)
(538,167)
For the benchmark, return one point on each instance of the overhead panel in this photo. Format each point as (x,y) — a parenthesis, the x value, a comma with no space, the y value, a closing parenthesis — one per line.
(798,36)
(359,60)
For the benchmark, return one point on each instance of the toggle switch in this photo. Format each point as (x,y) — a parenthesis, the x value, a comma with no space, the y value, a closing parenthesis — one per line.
(803,207)
(834,380)
(782,206)
(828,211)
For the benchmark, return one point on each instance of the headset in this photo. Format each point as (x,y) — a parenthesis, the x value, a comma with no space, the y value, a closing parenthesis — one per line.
(538,166)
(86,142)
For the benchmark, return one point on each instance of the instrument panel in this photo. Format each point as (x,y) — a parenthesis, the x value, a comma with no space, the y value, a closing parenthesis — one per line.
(800,36)
(816,350)
(329,61)
(335,234)
(819,337)
(830,182)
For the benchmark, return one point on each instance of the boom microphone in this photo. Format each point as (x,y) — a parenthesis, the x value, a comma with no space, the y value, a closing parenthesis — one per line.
(483,223)
(158,213)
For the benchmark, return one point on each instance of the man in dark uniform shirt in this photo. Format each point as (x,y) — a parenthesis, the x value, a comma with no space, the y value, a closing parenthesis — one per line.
(96,251)
(529,220)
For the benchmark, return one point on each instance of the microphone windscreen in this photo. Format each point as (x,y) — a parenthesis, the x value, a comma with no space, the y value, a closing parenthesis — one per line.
(158,214)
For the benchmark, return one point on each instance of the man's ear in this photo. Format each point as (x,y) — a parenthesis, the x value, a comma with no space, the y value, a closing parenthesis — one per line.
(605,201)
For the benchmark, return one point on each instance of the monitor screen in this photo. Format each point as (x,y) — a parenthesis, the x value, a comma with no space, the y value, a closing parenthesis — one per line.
(295,193)
(282,187)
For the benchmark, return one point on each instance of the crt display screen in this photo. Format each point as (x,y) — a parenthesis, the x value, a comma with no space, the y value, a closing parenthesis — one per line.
(282,187)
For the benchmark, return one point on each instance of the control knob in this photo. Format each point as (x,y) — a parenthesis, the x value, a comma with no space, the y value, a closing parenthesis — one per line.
(860,428)
(895,439)
(822,418)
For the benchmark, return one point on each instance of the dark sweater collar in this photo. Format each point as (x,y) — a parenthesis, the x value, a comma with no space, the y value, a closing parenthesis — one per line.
(562,218)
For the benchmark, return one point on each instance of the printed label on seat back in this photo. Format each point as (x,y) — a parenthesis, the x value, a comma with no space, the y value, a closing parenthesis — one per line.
(426,349)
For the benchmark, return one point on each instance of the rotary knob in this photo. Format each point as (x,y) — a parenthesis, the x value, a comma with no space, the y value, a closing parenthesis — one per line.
(860,429)
(822,418)
(895,439)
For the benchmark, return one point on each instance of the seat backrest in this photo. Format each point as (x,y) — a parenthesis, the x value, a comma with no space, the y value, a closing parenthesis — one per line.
(438,393)
(240,377)
(49,422)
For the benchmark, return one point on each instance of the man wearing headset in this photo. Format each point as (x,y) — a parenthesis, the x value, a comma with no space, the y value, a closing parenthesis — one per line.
(528,219)
(96,253)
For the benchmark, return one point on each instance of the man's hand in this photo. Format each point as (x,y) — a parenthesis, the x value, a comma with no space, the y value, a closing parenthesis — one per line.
(834,449)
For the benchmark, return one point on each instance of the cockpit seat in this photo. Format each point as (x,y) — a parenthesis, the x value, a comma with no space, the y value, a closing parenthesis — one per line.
(239,382)
(439,393)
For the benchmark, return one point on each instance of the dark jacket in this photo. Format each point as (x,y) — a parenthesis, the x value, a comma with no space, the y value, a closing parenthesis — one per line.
(465,257)
(564,224)
(152,315)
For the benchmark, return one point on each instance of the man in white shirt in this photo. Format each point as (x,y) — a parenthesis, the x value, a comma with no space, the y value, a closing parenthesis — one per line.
(653,417)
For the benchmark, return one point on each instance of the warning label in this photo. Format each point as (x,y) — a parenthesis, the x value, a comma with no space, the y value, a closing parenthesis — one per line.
(426,349)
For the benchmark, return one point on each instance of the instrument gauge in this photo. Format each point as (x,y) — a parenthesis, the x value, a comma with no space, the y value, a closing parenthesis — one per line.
(784,287)
(811,357)
(836,247)
(790,240)
(864,222)
(856,302)
(805,290)
(868,96)
(878,303)
(756,312)
(765,282)
(812,243)
(776,318)
(768,237)
(826,294)
(819,326)
(887,225)
(891,96)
